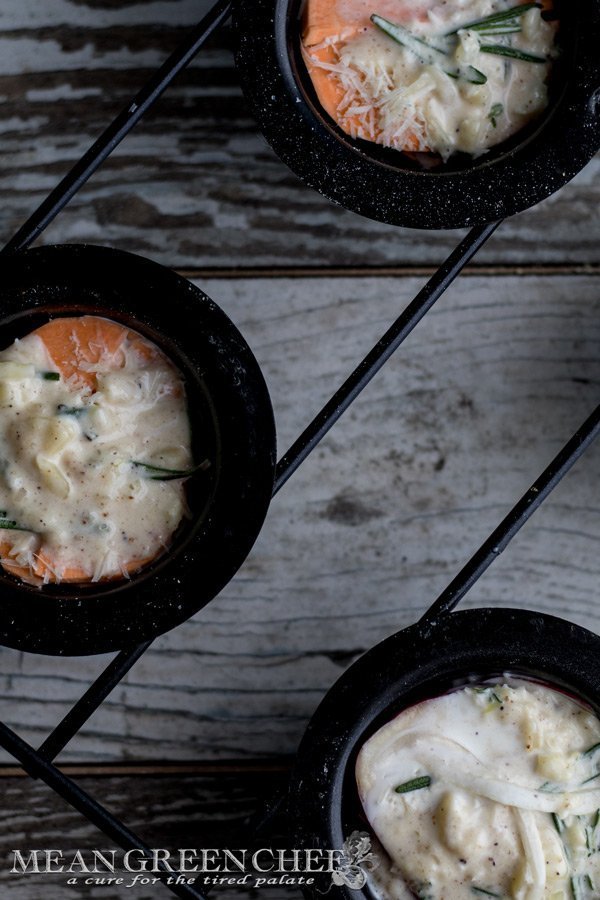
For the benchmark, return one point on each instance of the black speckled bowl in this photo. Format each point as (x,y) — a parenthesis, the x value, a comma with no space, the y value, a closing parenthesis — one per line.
(421,661)
(232,425)
(385,184)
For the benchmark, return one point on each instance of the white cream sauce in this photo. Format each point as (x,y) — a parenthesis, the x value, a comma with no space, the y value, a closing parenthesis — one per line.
(390,96)
(67,473)
(508,801)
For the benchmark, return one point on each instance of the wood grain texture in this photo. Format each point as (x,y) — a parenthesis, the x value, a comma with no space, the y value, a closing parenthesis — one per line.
(196,184)
(376,522)
(168,813)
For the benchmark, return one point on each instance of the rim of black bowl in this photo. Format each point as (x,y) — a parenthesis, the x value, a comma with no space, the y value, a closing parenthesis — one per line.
(424,660)
(386,185)
(232,423)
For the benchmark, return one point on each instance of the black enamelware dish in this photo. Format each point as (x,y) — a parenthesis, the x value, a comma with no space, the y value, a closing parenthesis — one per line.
(232,425)
(419,662)
(385,184)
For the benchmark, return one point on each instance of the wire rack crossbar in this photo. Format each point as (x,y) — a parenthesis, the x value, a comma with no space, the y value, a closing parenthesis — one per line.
(118,129)
(38,763)
(516,518)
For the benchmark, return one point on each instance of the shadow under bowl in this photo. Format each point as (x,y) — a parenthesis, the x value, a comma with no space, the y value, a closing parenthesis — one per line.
(420,662)
(386,185)
(231,422)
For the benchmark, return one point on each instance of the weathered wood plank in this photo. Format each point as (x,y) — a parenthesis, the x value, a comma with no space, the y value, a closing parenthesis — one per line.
(169,813)
(196,185)
(376,523)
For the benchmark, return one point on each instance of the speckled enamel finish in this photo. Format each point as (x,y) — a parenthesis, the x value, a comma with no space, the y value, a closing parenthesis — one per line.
(232,425)
(419,662)
(384,184)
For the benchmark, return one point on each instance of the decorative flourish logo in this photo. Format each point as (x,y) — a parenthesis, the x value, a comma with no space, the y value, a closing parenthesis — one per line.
(357,859)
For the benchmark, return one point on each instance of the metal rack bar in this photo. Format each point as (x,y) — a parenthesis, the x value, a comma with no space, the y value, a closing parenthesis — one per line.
(70,791)
(516,518)
(381,352)
(112,136)
(98,691)
(298,452)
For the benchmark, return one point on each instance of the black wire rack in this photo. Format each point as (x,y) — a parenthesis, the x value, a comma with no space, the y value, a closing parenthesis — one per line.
(39,763)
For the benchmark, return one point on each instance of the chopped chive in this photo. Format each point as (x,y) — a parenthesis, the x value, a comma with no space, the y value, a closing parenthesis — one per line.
(589,833)
(63,410)
(548,787)
(480,890)
(591,778)
(163,474)
(511,53)
(558,823)
(423,891)
(472,75)
(575,888)
(496,111)
(591,750)
(589,881)
(415,784)
(50,376)
(10,525)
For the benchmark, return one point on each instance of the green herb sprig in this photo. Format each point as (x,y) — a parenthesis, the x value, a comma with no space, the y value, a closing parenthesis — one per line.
(415,784)
(10,524)
(495,112)
(427,52)
(512,53)
(509,18)
(63,410)
(159,473)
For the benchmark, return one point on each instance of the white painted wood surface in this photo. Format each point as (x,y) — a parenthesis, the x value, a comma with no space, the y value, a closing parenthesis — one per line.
(196,184)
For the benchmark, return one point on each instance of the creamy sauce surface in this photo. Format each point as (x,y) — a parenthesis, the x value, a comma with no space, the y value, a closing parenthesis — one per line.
(71,478)
(488,791)
(380,90)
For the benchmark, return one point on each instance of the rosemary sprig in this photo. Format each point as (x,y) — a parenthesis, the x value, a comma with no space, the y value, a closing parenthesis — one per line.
(486,893)
(510,28)
(500,18)
(159,473)
(591,750)
(511,53)
(415,784)
(427,52)
(11,525)
(575,885)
